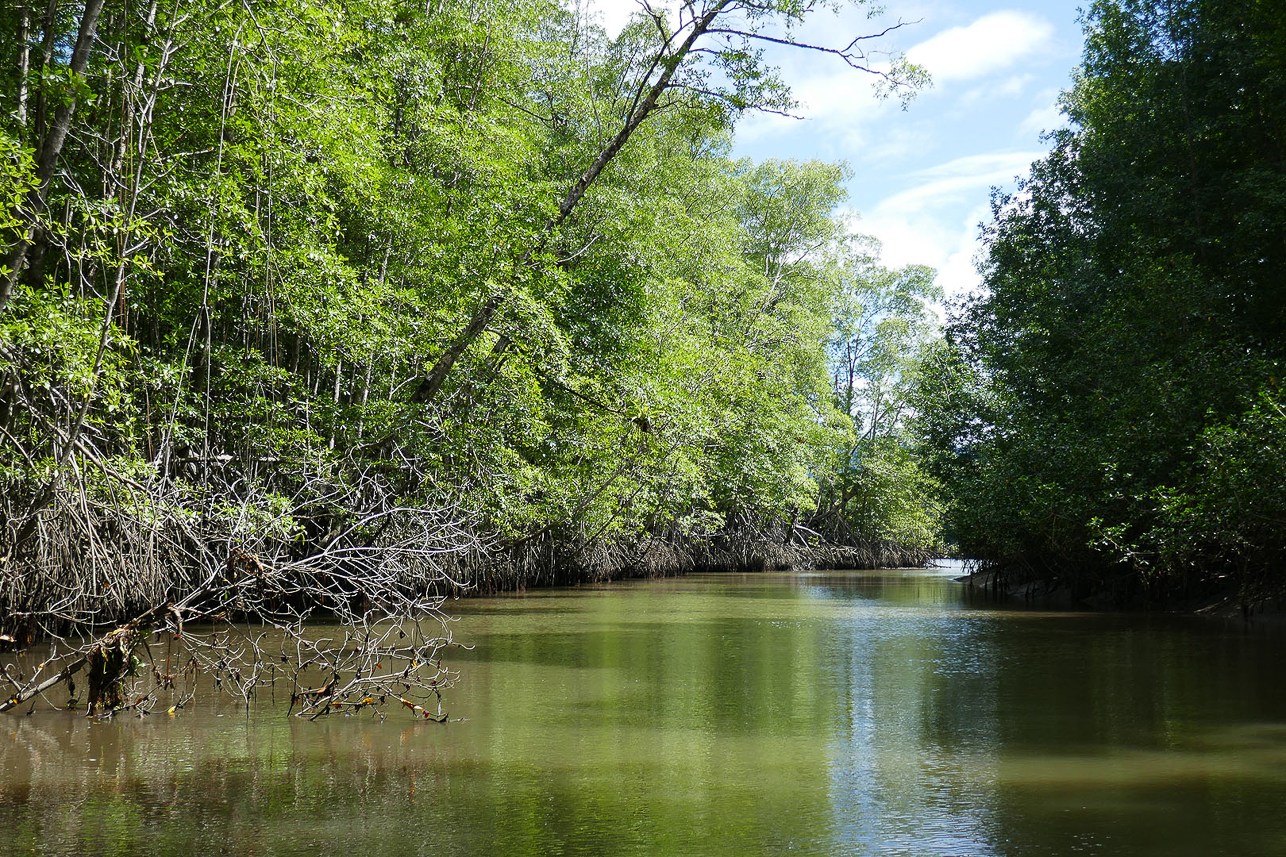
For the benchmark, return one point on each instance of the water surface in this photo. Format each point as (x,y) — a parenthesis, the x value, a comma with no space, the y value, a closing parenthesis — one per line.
(863,713)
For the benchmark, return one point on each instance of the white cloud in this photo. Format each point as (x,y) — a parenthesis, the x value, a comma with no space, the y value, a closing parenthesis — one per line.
(841,104)
(1010,87)
(958,179)
(1043,119)
(992,43)
(958,276)
(923,225)
(947,246)
(615,14)
(982,168)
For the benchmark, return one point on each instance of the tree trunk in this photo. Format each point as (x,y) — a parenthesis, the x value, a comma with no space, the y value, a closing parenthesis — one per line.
(49,152)
(437,376)
(24,65)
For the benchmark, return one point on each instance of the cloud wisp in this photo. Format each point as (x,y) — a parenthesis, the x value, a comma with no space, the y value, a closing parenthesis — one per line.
(992,43)
(916,225)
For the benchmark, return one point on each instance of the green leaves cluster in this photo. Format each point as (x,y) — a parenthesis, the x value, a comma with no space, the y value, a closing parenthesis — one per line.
(270,221)
(879,490)
(1109,407)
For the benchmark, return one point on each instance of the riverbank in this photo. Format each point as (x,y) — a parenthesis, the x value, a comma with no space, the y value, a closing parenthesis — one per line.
(416,553)
(1219,597)
(560,561)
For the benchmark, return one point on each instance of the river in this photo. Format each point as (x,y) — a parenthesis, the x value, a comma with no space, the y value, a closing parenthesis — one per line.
(852,713)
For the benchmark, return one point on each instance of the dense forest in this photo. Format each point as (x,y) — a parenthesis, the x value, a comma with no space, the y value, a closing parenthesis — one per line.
(343,304)
(1108,415)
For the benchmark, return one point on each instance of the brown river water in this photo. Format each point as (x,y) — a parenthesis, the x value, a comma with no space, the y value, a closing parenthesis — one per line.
(851,713)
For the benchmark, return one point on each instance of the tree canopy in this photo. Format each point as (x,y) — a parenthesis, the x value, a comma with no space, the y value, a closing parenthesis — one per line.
(418,295)
(1109,411)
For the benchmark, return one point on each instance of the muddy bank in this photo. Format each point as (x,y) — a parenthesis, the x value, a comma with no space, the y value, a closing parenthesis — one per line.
(560,561)
(410,554)
(1220,596)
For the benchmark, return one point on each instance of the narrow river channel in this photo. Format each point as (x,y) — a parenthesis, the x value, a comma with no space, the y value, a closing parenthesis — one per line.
(851,713)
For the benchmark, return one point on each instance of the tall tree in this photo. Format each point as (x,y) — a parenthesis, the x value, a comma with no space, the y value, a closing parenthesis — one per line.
(674,65)
(1134,304)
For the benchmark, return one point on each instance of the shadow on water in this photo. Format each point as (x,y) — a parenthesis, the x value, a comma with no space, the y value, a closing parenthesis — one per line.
(865,713)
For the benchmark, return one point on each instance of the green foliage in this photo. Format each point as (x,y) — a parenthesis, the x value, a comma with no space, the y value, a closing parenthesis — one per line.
(17,179)
(877,490)
(270,220)
(1098,410)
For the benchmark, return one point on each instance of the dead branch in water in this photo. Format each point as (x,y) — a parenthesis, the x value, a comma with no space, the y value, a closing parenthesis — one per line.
(231,590)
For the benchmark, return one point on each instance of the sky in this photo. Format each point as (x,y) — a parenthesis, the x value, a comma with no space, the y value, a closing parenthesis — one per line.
(922,176)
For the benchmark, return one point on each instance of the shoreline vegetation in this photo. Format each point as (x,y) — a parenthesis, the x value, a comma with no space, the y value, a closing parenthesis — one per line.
(1107,414)
(554,563)
(332,309)
(1220,598)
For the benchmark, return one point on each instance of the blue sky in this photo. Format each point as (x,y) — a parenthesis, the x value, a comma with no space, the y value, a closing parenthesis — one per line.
(922,176)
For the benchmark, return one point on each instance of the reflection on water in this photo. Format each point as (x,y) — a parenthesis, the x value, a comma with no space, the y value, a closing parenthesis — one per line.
(858,714)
